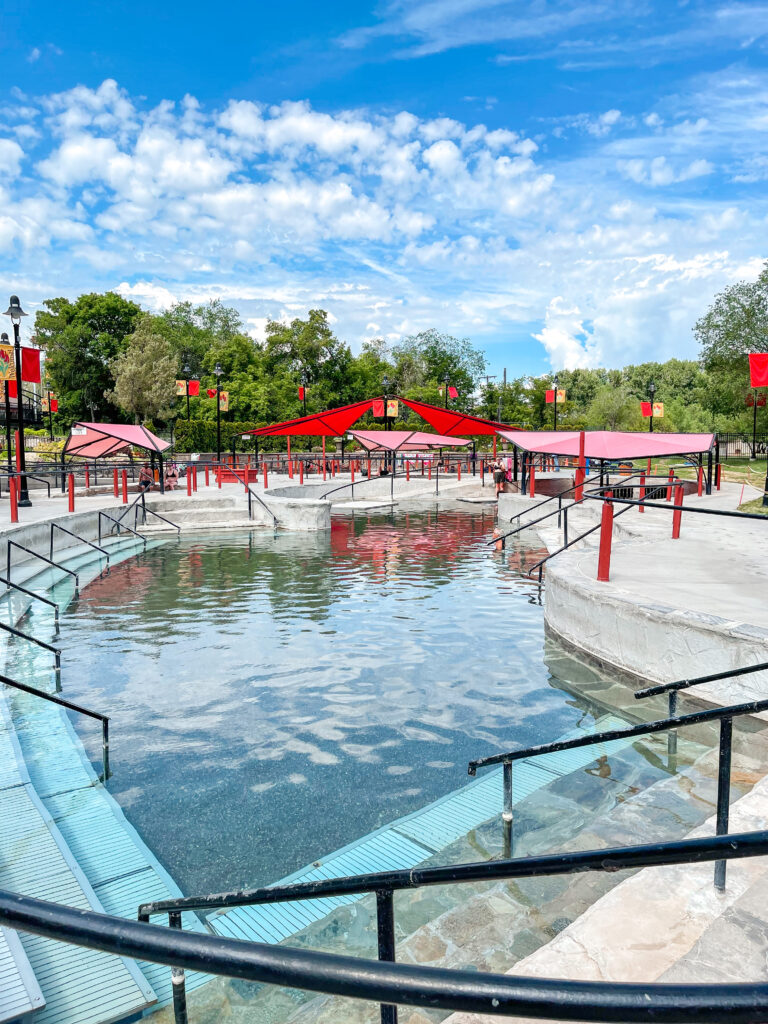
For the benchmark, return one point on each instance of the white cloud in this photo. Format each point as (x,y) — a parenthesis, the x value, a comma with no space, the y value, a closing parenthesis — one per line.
(33,55)
(11,155)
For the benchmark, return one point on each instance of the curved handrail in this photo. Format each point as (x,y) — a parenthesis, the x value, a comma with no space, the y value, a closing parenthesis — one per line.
(683,684)
(389,983)
(35,554)
(120,526)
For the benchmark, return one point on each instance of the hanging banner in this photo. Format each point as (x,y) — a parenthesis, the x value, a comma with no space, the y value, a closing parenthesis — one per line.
(44,404)
(760,401)
(552,396)
(393,407)
(658,410)
(453,393)
(224,401)
(758,369)
(194,388)
(378,407)
(301,394)
(645,408)
(749,401)
(560,396)
(30,365)
(54,405)
(181,387)
(7,362)
(211,392)
(549,395)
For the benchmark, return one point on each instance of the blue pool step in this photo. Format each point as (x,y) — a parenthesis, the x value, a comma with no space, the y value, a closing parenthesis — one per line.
(408,841)
(19,991)
(64,838)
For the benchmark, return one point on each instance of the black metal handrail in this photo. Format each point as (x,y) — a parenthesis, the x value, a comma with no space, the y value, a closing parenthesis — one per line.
(63,529)
(38,597)
(56,651)
(723,715)
(671,507)
(390,983)
(29,476)
(683,684)
(251,494)
(36,554)
(104,719)
(120,526)
(145,508)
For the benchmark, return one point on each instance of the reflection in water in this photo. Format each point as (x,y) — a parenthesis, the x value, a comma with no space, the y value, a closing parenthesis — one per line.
(273,698)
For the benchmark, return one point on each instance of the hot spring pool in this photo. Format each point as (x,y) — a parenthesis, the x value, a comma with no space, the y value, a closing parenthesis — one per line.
(276,697)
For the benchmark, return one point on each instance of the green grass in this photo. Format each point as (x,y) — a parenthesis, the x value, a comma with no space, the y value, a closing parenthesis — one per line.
(754,506)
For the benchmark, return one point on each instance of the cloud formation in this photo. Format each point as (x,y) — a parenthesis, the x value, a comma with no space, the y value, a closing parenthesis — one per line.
(392,222)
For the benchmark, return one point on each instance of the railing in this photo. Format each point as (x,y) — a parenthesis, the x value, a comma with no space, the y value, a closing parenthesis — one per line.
(39,643)
(251,494)
(63,529)
(120,526)
(723,715)
(141,500)
(30,593)
(35,554)
(28,476)
(104,719)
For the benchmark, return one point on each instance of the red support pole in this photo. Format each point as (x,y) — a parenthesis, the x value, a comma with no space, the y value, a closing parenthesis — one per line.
(701,481)
(125,486)
(189,481)
(207,476)
(494,447)
(14,496)
(717,475)
(458,472)
(579,475)
(247,473)
(606,536)
(369,467)
(352,470)
(407,470)
(301,471)
(532,481)
(265,474)
(194,478)
(677,515)
(324,467)
(71,491)
(641,492)
(218,476)
(115,483)
(669,488)
(87,478)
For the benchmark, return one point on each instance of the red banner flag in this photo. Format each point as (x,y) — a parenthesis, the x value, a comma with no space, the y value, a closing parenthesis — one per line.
(453,393)
(301,394)
(645,408)
(758,369)
(11,389)
(54,405)
(550,396)
(760,401)
(30,365)
(749,401)
(194,388)
(378,407)
(211,392)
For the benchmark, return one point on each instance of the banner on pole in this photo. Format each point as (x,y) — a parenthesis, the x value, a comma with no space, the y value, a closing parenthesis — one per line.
(181,387)
(645,409)
(758,369)
(301,393)
(211,392)
(378,407)
(194,388)
(393,407)
(7,362)
(224,401)
(658,410)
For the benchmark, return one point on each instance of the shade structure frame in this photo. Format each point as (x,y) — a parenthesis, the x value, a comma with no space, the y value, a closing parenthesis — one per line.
(609,445)
(404,440)
(103,440)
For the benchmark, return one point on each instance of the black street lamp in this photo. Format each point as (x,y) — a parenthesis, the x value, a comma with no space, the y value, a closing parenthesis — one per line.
(186,371)
(50,414)
(4,341)
(386,385)
(304,390)
(651,392)
(445,382)
(555,381)
(218,371)
(15,312)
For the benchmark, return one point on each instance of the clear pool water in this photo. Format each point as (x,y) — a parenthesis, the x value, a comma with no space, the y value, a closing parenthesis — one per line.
(273,698)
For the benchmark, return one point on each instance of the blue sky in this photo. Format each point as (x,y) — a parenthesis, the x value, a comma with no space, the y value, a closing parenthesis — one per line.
(566,183)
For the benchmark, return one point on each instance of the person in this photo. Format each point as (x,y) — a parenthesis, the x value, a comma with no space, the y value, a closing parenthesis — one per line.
(499,476)
(145,478)
(171,475)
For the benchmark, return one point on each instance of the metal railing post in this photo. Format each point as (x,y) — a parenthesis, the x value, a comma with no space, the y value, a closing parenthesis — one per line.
(385,927)
(565,526)
(105,748)
(178,980)
(723,793)
(672,737)
(507,815)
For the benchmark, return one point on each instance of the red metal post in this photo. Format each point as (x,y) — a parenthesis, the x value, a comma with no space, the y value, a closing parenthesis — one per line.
(87,478)
(207,476)
(125,486)
(458,472)
(579,475)
(115,483)
(669,488)
(641,492)
(189,480)
(194,478)
(701,481)
(301,471)
(407,470)
(606,536)
(324,469)
(265,474)
(71,491)
(677,515)
(14,496)
(352,470)
(218,476)
(532,481)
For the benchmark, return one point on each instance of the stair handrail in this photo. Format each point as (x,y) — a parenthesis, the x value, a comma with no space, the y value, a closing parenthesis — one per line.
(684,684)
(56,651)
(390,983)
(29,476)
(104,719)
(36,554)
(672,507)
(120,526)
(31,593)
(723,715)
(63,529)
(145,508)
(233,471)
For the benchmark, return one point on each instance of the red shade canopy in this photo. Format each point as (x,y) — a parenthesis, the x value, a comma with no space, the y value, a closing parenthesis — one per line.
(451,422)
(404,440)
(608,444)
(97,440)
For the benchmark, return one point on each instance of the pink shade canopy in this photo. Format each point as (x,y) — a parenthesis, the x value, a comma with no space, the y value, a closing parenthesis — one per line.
(97,440)
(608,444)
(404,440)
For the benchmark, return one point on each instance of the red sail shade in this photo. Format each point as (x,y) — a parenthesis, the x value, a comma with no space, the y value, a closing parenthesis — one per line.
(97,440)
(608,444)
(331,423)
(404,440)
(449,422)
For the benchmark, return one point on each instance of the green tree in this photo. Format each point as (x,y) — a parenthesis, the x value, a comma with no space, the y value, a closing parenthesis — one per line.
(81,340)
(145,373)
(613,408)
(423,362)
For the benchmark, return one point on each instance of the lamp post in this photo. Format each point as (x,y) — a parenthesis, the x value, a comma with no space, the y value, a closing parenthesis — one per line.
(651,392)
(445,382)
(186,371)
(15,312)
(50,414)
(555,381)
(4,341)
(218,371)
(385,385)
(304,390)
